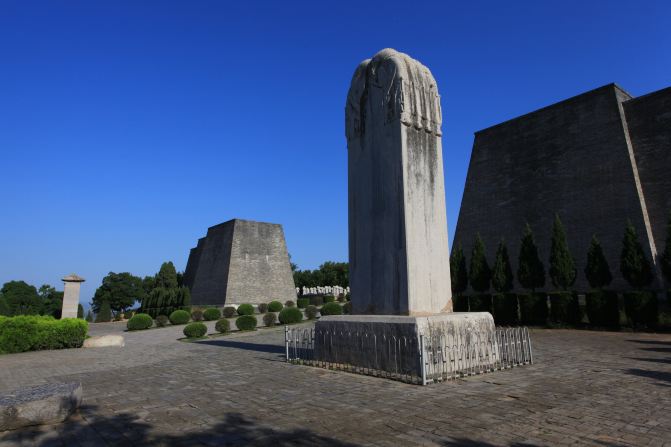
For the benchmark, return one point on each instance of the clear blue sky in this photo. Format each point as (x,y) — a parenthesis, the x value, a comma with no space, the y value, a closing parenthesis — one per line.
(127,128)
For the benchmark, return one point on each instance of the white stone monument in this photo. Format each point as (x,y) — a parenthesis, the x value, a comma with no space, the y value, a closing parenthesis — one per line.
(72,284)
(398,250)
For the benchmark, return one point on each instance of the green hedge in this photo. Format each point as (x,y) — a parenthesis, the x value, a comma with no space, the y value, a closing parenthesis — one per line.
(246,322)
(290,315)
(275,306)
(139,322)
(303,303)
(641,308)
(32,333)
(329,299)
(602,308)
(480,303)
(179,317)
(533,309)
(506,309)
(222,326)
(331,309)
(245,309)
(212,314)
(195,330)
(460,303)
(565,308)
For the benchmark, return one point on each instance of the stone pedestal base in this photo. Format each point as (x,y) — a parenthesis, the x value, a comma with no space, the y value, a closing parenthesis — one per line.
(392,342)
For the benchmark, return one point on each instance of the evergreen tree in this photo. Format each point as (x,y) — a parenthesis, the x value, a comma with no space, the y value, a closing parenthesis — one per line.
(89,316)
(665,258)
(104,315)
(21,298)
(80,311)
(502,273)
(562,266)
(530,270)
(634,265)
(458,272)
(597,270)
(480,273)
(185,297)
(166,276)
(4,307)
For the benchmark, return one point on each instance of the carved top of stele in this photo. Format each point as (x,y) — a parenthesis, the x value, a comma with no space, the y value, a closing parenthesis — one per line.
(73,278)
(392,87)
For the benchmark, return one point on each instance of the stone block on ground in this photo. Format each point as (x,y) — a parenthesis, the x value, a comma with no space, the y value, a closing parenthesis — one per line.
(103,341)
(45,404)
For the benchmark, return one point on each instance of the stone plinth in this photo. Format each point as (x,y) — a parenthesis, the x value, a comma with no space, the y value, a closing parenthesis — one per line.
(72,283)
(398,250)
(46,404)
(391,342)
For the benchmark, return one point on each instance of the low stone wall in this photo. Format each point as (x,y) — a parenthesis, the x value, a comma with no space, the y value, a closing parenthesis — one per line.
(45,404)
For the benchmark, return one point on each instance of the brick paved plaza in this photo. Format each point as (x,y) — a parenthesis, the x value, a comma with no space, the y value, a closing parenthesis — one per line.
(586,388)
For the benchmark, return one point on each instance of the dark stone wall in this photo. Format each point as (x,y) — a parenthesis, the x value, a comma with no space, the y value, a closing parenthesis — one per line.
(570,158)
(240,261)
(649,121)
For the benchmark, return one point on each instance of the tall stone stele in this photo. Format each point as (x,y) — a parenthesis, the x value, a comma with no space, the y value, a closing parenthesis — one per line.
(72,283)
(398,250)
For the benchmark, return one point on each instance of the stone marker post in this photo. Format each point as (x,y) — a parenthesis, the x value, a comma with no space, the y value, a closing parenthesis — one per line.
(72,284)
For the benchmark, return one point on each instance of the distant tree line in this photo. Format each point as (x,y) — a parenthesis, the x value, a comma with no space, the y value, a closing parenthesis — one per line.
(635,267)
(21,298)
(328,274)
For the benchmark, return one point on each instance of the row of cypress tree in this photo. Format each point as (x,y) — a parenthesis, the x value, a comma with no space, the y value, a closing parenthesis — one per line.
(634,264)
(165,294)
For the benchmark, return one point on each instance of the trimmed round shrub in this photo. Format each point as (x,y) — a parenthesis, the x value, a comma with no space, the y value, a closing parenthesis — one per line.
(347,308)
(270,319)
(195,330)
(316,300)
(246,323)
(139,322)
(289,303)
(291,315)
(197,315)
(179,317)
(275,306)
(162,321)
(223,326)
(245,309)
(331,309)
(212,314)
(329,299)
(302,303)
(311,312)
(263,308)
(229,312)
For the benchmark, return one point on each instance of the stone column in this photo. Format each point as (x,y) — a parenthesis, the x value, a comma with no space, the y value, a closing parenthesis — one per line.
(72,284)
(398,250)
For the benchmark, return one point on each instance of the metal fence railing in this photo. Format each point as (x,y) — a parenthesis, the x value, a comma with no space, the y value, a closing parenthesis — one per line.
(422,359)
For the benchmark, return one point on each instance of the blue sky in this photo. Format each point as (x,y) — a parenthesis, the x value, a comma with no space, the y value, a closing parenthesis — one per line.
(127,128)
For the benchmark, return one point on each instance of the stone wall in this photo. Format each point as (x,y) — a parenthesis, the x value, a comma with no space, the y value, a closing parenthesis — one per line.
(240,261)
(571,158)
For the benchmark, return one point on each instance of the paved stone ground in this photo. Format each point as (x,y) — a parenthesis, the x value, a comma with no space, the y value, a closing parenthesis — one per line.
(586,388)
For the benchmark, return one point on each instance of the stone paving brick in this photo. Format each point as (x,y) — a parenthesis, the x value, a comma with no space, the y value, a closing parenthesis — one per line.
(586,388)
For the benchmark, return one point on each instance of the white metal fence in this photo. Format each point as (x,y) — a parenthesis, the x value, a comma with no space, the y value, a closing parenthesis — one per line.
(422,359)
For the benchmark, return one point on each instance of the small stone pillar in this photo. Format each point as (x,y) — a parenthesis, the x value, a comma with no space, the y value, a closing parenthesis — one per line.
(72,283)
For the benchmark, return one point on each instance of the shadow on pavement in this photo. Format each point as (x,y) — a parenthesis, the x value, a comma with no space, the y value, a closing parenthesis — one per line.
(272,349)
(662,376)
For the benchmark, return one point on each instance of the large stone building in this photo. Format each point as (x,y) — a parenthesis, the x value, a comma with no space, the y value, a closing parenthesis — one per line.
(240,261)
(598,160)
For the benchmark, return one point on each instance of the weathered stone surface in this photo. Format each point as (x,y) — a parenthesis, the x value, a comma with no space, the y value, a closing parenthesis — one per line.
(72,284)
(240,261)
(575,158)
(103,341)
(390,342)
(45,404)
(398,250)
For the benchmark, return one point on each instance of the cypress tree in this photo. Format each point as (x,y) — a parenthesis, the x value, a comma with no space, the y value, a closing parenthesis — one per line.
(89,316)
(458,272)
(105,313)
(597,270)
(166,276)
(80,311)
(185,297)
(530,270)
(634,265)
(502,273)
(665,258)
(480,273)
(562,266)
